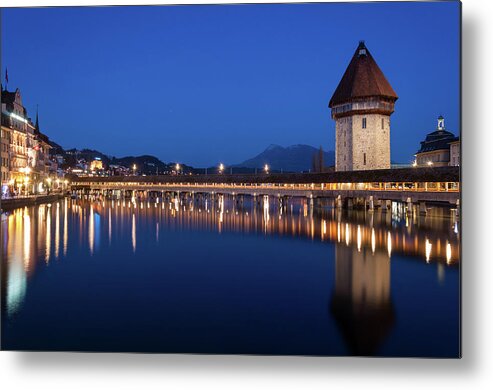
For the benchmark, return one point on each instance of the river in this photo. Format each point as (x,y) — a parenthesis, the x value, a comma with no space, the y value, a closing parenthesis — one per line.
(228,275)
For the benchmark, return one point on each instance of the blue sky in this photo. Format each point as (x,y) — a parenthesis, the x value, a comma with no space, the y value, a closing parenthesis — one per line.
(208,84)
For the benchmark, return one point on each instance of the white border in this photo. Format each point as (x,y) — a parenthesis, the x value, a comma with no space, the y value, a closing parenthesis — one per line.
(133,371)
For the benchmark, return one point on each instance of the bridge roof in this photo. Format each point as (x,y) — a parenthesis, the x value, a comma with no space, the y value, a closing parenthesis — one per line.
(425,174)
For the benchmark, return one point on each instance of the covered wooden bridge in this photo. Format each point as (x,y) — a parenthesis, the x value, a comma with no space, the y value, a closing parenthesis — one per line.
(369,188)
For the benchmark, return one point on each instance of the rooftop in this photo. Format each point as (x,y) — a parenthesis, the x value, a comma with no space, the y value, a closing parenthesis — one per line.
(427,174)
(438,139)
(362,79)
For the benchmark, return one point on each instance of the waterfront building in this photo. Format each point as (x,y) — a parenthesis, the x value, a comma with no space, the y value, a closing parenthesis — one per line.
(25,150)
(440,148)
(41,156)
(361,106)
(5,157)
(455,153)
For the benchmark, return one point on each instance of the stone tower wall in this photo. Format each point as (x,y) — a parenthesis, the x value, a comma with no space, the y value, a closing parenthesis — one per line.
(344,144)
(359,148)
(372,141)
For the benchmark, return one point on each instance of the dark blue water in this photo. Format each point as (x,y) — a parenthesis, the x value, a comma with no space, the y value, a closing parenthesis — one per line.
(230,277)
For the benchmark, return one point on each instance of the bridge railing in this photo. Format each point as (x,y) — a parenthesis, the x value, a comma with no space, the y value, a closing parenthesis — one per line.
(385,186)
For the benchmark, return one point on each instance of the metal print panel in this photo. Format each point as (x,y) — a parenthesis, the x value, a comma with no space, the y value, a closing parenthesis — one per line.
(272,179)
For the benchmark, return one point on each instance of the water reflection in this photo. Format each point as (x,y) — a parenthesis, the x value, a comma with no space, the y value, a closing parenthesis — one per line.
(361,303)
(48,234)
(134,233)
(65,227)
(362,244)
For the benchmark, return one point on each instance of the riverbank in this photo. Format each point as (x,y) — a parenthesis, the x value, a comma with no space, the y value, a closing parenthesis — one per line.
(13,203)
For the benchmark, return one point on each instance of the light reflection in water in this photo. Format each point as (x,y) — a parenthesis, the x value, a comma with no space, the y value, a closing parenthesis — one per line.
(109,226)
(448,252)
(134,233)
(372,232)
(373,240)
(16,286)
(359,238)
(57,230)
(48,234)
(266,213)
(361,302)
(221,212)
(65,227)
(91,230)
(428,247)
(440,273)
(29,232)
(389,244)
(27,239)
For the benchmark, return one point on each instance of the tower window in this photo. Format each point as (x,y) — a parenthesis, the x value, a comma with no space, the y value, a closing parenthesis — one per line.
(364,158)
(383,125)
(363,124)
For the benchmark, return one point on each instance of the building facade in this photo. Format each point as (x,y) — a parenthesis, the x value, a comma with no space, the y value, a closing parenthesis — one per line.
(5,162)
(361,107)
(440,148)
(24,149)
(455,153)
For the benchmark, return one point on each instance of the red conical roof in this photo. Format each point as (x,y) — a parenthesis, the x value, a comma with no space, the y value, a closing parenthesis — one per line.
(362,78)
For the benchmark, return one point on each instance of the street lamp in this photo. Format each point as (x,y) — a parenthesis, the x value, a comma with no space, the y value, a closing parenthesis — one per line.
(221,168)
(177,168)
(430,163)
(266,168)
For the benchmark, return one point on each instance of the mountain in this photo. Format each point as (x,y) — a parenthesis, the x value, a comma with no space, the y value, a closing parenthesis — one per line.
(295,158)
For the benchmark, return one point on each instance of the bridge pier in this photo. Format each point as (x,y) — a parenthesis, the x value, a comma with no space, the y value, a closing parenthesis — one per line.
(422,208)
(339,202)
(386,205)
(409,203)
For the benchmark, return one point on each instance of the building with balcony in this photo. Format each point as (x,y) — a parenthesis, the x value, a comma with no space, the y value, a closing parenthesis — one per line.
(24,149)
